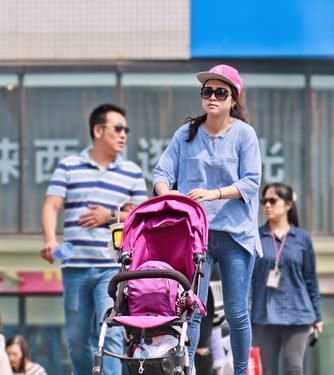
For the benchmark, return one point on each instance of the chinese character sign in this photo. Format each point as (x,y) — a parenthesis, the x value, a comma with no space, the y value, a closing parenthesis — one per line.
(9,160)
(273,161)
(149,154)
(272,158)
(49,152)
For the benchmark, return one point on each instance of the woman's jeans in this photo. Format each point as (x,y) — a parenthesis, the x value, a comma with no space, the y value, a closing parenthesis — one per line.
(85,301)
(236,266)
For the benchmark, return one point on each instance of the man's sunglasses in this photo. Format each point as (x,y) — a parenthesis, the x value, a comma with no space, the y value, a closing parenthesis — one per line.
(118,128)
(271,201)
(220,93)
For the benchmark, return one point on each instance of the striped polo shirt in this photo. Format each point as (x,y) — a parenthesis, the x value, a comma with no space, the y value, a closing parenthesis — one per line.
(80,181)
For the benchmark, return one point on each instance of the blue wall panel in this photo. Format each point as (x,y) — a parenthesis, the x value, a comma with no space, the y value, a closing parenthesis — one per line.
(259,28)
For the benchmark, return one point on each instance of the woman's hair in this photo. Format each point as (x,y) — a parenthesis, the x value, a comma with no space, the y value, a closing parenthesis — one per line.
(22,343)
(237,112)
(285,192)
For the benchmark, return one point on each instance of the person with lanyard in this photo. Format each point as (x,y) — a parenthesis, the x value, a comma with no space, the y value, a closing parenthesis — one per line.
(215,159)
(285,303)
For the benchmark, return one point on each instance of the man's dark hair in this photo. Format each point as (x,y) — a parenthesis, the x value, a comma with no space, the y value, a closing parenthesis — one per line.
(98,115)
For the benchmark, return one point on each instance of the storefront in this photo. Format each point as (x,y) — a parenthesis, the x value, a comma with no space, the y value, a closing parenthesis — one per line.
(52,74)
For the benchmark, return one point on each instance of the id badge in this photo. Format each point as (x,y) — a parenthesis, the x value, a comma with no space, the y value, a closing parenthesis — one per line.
(273,278)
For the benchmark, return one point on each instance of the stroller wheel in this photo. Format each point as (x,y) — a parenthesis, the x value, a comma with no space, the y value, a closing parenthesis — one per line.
(97,371)
(98,363)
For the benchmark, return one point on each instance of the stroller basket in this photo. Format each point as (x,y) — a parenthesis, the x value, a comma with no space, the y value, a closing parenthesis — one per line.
(164,365)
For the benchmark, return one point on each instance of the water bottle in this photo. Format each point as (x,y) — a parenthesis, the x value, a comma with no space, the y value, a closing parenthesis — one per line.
(63,251)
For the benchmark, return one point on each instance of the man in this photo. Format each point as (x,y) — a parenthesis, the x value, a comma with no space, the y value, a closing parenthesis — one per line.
(91,186)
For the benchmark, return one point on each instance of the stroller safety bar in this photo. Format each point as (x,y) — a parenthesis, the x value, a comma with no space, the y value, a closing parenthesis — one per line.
(147,274)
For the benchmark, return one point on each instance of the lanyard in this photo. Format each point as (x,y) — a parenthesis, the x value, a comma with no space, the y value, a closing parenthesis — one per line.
(277,251)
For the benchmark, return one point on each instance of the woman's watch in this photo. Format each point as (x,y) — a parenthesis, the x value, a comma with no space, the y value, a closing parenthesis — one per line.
(112,217)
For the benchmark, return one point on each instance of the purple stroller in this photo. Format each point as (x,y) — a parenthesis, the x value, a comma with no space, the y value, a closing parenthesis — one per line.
(163,247)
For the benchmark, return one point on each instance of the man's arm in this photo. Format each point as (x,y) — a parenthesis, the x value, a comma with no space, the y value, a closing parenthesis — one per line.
(99,215)
(50,210)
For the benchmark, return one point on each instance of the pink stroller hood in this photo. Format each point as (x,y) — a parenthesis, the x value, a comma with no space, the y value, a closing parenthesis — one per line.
(168,228)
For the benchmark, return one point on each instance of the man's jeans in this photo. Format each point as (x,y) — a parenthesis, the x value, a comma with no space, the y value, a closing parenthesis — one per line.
(236,266)
(85,301)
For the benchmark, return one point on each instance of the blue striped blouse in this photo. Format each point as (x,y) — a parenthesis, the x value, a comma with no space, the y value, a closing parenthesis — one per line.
(233,157)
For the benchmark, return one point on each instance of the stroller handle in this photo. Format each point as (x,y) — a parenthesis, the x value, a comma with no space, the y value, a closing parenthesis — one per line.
(147,274)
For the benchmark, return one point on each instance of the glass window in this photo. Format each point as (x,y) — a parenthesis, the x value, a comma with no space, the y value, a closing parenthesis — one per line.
(44,332)
(9,153)
(275,105)
(9,311)
(40,320)
(57,108)
(157,105)
(321,159)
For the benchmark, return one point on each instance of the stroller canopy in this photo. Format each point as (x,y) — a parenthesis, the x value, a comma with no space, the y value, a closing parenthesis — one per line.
(168,228)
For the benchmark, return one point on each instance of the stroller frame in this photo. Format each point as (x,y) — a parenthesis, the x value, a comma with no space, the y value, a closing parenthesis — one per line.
(175,362)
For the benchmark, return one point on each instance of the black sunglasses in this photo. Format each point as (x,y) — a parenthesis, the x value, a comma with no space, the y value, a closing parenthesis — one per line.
(271,201)
(220,93)
(118,128)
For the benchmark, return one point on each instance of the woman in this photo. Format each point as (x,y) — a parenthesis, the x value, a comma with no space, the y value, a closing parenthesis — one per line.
(215,160)
(285,293)
(19,357)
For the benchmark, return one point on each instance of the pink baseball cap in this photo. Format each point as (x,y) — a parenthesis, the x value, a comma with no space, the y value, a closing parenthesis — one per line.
(224,73)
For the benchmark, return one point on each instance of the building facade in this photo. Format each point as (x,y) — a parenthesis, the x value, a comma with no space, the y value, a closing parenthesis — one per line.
(60,59)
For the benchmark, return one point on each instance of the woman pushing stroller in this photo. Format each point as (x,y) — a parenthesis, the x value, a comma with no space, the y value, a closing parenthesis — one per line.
(215,160)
